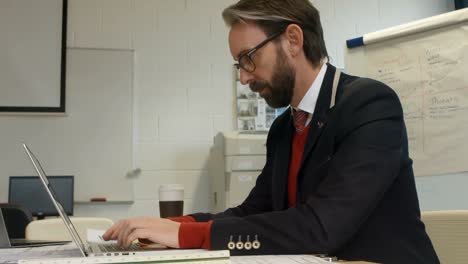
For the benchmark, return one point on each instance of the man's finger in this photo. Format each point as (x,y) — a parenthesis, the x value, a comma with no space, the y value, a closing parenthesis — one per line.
(122,233)
(136,234)
(131,225)
(127,227)
(110,233)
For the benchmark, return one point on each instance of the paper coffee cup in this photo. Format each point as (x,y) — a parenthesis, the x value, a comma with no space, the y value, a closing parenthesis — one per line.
(171,200)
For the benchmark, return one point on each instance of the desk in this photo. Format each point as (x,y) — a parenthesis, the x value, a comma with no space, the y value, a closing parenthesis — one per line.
(356,262)
(12,255)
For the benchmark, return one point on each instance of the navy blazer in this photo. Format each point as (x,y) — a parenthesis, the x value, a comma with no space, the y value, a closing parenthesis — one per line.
(356,194)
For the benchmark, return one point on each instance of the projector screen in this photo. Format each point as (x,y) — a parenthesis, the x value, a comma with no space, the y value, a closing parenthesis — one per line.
(32,55)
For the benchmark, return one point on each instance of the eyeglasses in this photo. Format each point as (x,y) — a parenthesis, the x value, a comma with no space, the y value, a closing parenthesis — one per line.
(245,59)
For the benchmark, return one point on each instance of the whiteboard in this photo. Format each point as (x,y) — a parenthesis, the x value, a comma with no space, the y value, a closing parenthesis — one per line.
(93,141)
(426,63)
(32,57)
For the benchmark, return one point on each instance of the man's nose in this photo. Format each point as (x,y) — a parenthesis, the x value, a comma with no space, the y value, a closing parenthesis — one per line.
(245,76)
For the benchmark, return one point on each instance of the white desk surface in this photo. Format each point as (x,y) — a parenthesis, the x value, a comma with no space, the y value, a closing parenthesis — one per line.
(12,255)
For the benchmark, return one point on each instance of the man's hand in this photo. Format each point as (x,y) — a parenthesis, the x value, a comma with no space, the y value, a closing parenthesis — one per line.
(158,230)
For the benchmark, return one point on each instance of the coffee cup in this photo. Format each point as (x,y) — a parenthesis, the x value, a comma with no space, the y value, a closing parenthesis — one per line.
(171,200)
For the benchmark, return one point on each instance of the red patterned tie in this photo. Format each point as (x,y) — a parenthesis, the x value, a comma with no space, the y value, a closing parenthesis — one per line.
(300,119)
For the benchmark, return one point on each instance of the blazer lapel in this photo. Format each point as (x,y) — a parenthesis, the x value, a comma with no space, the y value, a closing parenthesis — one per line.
(283,153)
(281,166)
(320,116)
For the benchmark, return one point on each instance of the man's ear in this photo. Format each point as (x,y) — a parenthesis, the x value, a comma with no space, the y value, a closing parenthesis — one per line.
(295,38)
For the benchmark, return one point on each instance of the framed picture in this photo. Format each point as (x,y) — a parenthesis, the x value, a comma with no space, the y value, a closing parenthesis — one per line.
(33,55)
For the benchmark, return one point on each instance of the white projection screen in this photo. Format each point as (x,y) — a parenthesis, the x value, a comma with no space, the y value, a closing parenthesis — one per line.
(32,55)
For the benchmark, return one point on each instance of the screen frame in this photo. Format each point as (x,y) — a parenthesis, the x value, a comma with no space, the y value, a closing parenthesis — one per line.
(70,213)
(63,61)
(459,4)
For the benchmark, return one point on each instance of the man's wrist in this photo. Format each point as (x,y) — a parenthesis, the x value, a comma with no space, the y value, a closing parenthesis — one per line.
(195,235)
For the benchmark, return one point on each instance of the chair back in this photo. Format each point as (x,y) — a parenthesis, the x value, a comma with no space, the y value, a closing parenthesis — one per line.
(54,228)
(448,231)
(16,219)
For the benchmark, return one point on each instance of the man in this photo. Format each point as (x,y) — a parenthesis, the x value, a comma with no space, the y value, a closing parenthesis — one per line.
(337,180)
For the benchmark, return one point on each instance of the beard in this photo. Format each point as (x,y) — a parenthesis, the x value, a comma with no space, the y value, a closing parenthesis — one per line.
(280,91)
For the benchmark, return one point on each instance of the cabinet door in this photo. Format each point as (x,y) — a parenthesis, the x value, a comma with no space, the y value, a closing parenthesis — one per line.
(245,163)
(240,185)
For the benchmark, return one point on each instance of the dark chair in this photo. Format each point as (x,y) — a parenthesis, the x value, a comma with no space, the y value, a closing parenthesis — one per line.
(16,219)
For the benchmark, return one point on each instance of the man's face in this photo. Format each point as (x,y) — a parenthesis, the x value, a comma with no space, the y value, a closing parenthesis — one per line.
(273,77)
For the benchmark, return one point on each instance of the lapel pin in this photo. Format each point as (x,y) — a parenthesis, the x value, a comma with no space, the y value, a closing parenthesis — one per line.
(320,124)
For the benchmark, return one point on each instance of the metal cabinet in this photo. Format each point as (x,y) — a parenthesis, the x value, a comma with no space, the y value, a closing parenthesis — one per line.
(237,160)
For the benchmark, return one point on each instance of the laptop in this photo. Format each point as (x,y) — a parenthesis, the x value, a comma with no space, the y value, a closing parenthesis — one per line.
(6,242)
(86,249)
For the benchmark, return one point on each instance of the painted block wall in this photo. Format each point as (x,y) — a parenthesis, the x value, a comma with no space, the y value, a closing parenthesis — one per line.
(183,80)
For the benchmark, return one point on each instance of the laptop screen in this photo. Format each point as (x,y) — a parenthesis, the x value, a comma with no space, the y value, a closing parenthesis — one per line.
(28,192)
(50,191)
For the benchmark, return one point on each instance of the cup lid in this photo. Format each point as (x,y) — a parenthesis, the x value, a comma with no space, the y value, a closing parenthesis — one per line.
(171,187)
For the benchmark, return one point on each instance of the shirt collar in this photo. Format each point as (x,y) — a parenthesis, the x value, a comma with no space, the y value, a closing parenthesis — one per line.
(310,98)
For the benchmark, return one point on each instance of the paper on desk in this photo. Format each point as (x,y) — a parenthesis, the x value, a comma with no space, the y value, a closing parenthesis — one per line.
(95,236)
(278,259)
(12,255)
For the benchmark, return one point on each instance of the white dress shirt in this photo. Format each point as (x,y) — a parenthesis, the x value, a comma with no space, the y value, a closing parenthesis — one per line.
(309,100)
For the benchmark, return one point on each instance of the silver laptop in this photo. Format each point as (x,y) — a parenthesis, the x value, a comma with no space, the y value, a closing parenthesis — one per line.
(4,238)
(86,249)
(7,242)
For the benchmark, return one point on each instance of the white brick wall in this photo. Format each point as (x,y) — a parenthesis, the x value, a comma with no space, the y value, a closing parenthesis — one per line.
(183,79)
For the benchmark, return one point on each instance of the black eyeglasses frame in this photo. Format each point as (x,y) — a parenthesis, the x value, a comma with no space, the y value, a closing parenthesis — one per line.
(247,55)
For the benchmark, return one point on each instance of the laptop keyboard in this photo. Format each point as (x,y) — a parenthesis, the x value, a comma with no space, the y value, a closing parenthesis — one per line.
(116,248)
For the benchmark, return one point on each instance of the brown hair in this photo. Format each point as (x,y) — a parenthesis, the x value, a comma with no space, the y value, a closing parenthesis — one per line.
(275,15)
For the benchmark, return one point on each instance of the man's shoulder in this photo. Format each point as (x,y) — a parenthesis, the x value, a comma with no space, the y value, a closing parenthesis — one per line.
(360,89)
(363,100)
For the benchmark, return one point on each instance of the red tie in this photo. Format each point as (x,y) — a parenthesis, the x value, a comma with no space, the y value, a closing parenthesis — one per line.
(300,119)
